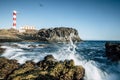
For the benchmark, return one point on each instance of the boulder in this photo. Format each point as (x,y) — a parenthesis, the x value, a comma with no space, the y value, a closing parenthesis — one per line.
(7,67)
(48,69)
(49,58)
(113,51)
(2,50)
(42,45)
(32,46)
(60,34)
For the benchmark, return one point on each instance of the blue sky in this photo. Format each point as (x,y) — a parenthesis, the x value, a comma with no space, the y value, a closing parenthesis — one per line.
(94,19)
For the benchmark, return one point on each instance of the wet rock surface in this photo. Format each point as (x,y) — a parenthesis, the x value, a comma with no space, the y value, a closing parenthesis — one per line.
(2,50)
(113,51)
(47,69)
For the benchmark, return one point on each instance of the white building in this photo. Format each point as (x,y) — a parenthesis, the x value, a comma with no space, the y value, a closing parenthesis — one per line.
(26,28)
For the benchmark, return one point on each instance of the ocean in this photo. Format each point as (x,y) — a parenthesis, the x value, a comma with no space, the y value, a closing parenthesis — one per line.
(89,54)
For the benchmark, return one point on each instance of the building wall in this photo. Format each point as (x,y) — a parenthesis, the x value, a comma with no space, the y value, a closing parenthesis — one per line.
(27,28)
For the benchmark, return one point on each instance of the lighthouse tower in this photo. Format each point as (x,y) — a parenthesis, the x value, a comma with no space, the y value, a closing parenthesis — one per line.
(14,19)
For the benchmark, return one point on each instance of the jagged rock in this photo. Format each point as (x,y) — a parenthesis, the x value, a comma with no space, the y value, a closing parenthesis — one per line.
(79,72)
(113,51)
(48,69)
(6,67)
(61,34)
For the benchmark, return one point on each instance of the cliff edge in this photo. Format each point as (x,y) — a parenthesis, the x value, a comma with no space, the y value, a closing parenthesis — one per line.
(60,34)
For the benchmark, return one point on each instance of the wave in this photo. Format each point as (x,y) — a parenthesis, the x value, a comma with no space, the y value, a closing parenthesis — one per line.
(94,69)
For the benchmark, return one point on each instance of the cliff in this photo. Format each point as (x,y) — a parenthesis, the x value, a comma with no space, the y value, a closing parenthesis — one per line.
(61,34)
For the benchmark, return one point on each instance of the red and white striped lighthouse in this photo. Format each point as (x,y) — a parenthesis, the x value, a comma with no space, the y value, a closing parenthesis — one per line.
(14,19)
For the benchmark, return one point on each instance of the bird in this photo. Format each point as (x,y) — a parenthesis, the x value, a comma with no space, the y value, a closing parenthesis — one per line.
(41,5)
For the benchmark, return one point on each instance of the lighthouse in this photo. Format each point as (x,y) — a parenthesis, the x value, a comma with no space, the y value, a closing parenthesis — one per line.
(14,19)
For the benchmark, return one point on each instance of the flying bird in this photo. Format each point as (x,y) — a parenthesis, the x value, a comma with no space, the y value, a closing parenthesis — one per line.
(41,5)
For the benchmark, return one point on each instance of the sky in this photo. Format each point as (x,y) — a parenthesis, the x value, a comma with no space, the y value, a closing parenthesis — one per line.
(94,19)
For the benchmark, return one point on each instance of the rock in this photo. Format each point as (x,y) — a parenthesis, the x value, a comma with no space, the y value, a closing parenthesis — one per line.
(79,72)
(32,46)
(49,58)
(38,46)
(2,50)
(42,45)
(6,67)
(113,51)
(13,35)
(61,34)
(48,69)
(14,45)
(24,70)
(8,38)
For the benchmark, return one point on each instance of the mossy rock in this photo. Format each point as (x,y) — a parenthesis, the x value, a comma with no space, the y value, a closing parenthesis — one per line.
(47,69)
(6,67)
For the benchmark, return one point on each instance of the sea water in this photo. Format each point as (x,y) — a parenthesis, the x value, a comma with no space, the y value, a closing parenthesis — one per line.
(89,54)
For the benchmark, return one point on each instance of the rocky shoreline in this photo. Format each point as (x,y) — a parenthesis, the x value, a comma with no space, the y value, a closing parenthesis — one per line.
(47,69)
(113,51)
(59,34)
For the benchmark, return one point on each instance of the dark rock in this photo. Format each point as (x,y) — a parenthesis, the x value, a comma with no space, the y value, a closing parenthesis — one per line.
(6,67)
(15,45)
(61,34)
(79,72)
(113,51)
(49,58)
(2,50)
(32,46)
(42,45)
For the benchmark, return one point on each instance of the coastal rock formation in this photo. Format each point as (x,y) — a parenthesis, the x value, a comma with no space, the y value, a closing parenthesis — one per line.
(7,67)
(47,69)
(113,51)
(61,34)
(2,50)
(7,38)
(9,35)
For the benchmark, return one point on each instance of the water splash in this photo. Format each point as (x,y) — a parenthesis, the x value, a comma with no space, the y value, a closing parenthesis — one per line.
(72,46)
(69,52)
(66,51)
